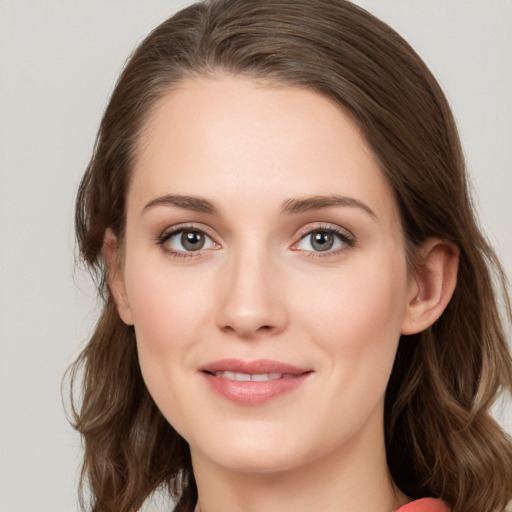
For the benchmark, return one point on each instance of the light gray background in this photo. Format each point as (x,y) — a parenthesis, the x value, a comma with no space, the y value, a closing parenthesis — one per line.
(58,63)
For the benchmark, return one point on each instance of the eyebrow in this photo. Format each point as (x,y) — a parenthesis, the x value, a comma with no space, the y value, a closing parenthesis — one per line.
(196,204)
(291,206)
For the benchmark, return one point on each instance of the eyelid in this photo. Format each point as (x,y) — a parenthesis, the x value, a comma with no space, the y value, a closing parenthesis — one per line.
(347,238)
(323,226)
(176,229)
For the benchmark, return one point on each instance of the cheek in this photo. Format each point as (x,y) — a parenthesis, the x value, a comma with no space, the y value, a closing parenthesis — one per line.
(167,306)
(169,315)
(358,298)
(357,319)
(355,322)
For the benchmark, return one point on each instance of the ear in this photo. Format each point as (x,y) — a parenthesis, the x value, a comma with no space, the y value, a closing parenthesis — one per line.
(432,285)
(115,277)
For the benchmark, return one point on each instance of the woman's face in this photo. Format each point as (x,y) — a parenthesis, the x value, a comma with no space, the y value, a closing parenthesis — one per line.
(265,274)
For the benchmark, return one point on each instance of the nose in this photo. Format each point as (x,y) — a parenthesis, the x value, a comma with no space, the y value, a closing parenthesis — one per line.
(252,300)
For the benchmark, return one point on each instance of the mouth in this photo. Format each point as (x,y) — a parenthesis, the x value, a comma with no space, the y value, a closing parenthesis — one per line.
(251,383)
(255,377)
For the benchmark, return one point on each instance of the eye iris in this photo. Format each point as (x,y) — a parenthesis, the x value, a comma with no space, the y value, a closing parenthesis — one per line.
(192,240)
(322,240)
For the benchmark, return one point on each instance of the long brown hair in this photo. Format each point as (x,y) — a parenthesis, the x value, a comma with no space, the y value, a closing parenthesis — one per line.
(441,438)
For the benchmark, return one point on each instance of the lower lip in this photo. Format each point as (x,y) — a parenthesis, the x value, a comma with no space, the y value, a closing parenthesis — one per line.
(252,393)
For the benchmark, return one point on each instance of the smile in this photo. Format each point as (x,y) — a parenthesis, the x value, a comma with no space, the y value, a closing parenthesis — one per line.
(252,383)
(258,377)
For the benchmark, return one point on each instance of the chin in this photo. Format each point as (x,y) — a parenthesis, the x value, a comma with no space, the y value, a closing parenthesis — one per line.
(254,453)
(257,463)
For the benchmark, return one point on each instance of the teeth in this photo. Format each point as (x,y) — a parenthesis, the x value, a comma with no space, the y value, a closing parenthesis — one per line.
(266,376)
(261,376)
(244,377)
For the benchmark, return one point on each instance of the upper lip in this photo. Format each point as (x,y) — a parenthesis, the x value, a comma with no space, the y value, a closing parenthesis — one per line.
(258,366)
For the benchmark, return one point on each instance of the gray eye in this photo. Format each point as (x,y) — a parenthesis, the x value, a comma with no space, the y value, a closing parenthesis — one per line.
(189,240)
(322,240)
(192,240)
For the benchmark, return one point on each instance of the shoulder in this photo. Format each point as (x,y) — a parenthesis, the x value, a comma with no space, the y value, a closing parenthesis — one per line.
(433,505)
(425,505)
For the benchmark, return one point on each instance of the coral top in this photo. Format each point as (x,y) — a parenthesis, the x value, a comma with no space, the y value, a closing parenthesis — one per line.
(424,505)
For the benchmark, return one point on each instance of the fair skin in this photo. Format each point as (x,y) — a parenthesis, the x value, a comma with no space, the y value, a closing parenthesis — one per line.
(260,227)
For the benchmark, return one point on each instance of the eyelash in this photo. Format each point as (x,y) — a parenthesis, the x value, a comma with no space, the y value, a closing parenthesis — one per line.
(167,235)
(346,238)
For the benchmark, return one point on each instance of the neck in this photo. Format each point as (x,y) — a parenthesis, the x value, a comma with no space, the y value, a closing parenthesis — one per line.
(356,478)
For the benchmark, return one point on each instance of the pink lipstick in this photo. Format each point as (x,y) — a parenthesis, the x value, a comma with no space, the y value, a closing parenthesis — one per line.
(252,382)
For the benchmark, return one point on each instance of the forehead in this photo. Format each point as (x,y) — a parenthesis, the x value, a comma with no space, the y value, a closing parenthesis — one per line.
(229,136)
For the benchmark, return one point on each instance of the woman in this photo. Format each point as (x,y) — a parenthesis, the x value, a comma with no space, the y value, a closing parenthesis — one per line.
(299,310)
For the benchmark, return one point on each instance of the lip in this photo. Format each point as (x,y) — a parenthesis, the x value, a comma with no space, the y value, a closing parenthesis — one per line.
(252,393)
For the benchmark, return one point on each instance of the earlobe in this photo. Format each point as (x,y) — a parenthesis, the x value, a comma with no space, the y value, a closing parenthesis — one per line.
(432,285)
(115,278)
